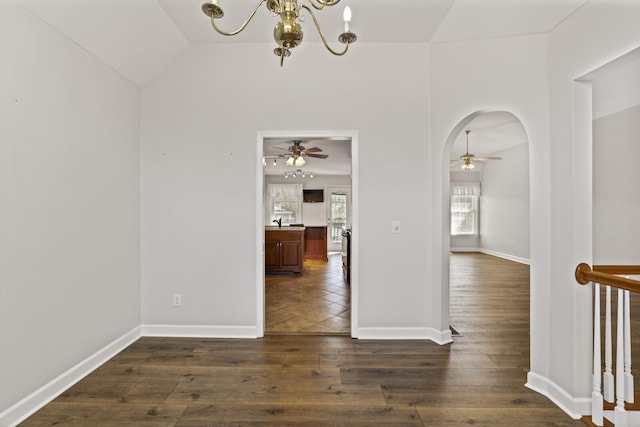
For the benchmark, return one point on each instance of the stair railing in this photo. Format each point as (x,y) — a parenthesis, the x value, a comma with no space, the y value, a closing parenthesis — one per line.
(603,382)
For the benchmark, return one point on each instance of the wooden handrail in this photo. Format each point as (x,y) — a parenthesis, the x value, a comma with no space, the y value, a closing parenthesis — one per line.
(585,275)
(630,270)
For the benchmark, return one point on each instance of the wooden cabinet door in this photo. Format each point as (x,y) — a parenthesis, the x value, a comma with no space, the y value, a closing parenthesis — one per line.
(271,255)
(290,255)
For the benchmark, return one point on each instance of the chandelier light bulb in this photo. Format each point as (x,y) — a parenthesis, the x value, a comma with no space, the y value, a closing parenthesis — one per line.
(300,161)
(311,175)
(304,175)
(290,161)
(347,18)
(275,162)
(286,175)
(294,174)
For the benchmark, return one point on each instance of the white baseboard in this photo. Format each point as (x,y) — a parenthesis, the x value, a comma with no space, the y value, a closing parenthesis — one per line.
(439,337)
(494,253)
(465,249)
(45,394)
(199,331)
(574,407)
(506,256)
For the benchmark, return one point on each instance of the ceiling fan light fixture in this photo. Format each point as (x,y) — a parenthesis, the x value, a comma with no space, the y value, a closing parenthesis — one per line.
(290,161)
(300,162)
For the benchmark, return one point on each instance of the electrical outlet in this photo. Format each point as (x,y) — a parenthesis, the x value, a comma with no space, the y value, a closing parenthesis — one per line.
(177,300)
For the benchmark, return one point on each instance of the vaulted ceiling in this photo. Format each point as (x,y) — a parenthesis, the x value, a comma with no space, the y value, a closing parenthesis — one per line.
(139,38)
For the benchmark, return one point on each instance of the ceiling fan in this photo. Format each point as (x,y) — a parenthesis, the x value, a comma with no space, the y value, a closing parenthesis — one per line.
(467,160)
(297,152)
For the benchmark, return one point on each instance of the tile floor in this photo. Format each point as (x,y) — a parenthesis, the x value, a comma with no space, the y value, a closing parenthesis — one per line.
(316,303)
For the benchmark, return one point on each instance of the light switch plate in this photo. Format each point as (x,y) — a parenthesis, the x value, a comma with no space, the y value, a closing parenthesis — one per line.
(395,227)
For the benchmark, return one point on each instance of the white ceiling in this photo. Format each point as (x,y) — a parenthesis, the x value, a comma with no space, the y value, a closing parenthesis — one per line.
(139,38)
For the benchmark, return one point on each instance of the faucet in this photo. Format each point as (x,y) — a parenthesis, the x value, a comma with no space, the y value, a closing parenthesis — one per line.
(278,221)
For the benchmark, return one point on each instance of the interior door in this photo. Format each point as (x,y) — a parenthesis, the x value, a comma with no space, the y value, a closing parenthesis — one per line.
(338,205)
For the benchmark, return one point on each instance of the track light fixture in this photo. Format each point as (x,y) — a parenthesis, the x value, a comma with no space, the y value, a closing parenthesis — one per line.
(295,173)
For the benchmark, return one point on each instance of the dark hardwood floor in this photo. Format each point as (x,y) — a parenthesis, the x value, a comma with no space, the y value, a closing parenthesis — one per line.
(321,380)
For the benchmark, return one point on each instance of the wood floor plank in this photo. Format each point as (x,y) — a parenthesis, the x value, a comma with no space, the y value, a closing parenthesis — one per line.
(96,414)
(502,417)
(405,361)
(270,415)
(280,395)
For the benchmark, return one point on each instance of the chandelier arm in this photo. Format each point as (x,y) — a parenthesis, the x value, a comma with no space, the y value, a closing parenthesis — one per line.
(242,27)
(324,40)
(321,4)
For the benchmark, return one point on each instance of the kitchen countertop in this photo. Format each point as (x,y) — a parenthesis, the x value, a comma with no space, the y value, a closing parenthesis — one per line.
(283,228)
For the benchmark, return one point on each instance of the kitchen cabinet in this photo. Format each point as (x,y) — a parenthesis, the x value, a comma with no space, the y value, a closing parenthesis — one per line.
(315,243)
(284,250)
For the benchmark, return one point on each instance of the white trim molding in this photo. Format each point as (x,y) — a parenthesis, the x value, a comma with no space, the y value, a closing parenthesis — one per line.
(506,256)
(493,253)
(439,337)
(200,331)
(45,394)
(575,407)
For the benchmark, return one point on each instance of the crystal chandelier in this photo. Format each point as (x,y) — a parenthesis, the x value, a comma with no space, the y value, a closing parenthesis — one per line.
(288,32)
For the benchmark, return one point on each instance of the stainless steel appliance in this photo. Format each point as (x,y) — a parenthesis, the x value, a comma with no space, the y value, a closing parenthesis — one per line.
(346,254)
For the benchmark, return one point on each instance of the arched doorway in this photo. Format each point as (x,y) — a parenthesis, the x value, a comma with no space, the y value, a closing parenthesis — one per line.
(486,202)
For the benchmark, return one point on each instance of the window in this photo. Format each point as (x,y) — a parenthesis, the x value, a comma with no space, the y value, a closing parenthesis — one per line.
(338,216)
(464,208)
(285,201)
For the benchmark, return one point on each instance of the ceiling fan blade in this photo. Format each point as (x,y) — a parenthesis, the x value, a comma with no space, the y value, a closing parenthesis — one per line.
(312,150)
(280,148)
(455,163)
(489,158)
(319,156)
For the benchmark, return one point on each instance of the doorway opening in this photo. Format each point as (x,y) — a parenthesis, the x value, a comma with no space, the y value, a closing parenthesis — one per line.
(317,299)
(488,203)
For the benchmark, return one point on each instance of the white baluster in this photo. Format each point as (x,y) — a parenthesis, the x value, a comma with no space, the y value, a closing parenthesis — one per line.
(596,395)
(628,377)
(620,414)
(608,359)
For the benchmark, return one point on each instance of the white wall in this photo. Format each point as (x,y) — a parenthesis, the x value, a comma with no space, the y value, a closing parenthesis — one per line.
(617,86)
(504,205)
(199,127)
(69,207)
(616,175)
(597,33)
